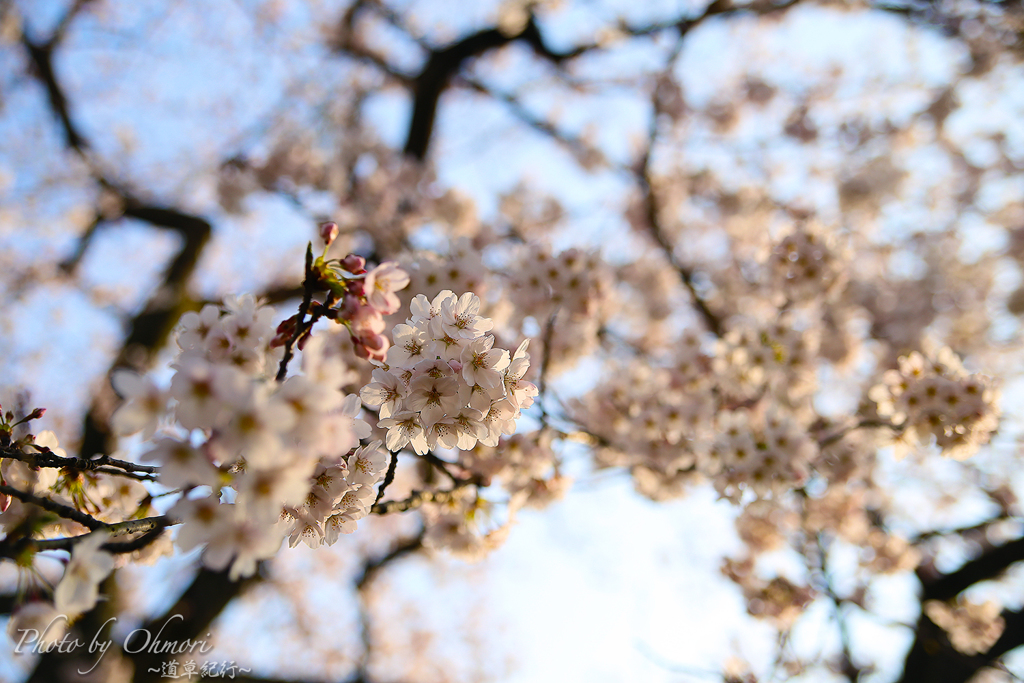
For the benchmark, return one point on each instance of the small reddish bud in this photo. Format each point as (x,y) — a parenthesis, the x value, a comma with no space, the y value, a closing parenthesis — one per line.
(284,332)
(328,232)
(354,264)
(350,305)
(356,288)
(36,414)
(360,350)
(374,342)
(287,325)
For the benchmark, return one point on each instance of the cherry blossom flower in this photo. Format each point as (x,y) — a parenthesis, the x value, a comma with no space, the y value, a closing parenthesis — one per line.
(381,283)
(145,404)
(78,590)
(483,365)
(405,428)
(386,391)
(459,317)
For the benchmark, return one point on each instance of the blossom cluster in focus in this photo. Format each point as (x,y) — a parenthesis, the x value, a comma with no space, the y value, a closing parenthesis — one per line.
(444,383)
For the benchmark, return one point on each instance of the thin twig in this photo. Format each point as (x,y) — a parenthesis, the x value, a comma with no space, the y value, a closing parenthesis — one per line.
(307,298)
(102,465)
(150,527)
(863,424)
(849,669)
(545,362)
(442,465)
(418,499)
(388,478)
(56,508)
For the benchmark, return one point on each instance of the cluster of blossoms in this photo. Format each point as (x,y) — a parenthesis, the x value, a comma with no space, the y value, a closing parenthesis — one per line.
(526,466)
(807,264)
(767,454)
(661,422)
(443,383)
(934,396)
(778,599)
(259,459)
(753,356)
(572,279)
(460,270)
(573,285)
(650,420)
(972,628)
(464,526)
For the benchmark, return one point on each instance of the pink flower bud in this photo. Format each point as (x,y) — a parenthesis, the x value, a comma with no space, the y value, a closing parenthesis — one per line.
(350,305)
(354,264)
(371,346)
(381,354)
(374,342)
(284,331)
(360,350)
(328,232)
(288,325)
(366,321)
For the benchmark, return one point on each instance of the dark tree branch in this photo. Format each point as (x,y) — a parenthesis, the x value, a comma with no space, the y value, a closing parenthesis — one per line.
(41,55)
(545,363)
(56,508)
(585,154)
(972,530)
(19,541)
(190,617)
(441,465)
(847,667)
(103,465)
(644,178)
(932,658)
(69,264)
(445,62)
(210,591)
(308,283)
(371,569)
(389,476)
(65,22)
(150,527)
(149,329)
(987,566)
